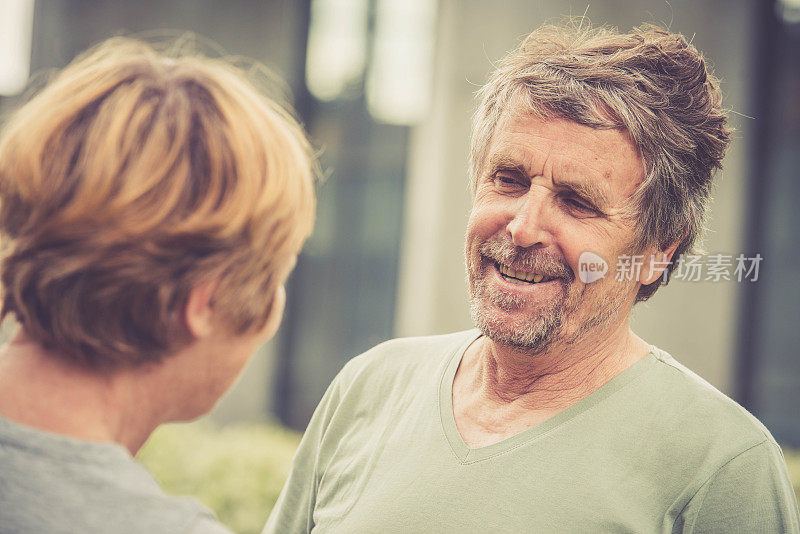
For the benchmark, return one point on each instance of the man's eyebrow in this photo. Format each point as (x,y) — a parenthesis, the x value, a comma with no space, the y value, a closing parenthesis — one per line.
(503,162)
(586,189)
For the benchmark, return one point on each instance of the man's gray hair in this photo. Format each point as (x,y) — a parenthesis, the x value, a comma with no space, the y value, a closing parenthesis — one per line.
(650,83)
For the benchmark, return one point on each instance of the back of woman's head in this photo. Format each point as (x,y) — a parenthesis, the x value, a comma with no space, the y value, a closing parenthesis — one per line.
(134,177)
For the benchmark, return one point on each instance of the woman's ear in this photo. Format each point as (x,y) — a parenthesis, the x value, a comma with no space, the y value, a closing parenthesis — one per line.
(275,313)
(198,313)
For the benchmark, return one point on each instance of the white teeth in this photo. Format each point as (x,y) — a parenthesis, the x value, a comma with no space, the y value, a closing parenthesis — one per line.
(537,278)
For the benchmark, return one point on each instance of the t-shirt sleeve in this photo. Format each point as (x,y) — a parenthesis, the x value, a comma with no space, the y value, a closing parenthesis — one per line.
(294,509)
(750,493)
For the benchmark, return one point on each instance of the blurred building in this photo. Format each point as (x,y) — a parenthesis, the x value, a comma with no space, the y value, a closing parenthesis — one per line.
(386,89)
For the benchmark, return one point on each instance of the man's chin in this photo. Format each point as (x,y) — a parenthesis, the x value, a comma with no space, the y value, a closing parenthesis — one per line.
(529,337)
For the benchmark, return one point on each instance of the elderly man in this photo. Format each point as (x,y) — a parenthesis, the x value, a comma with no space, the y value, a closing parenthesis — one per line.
(553,416)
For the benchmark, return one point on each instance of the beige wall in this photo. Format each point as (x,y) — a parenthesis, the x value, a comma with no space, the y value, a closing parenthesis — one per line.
(695,321)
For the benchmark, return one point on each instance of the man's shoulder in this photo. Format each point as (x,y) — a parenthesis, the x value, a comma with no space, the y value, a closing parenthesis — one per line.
(691,406)
(403,358)
(410,352)
(392,373)
(719,458)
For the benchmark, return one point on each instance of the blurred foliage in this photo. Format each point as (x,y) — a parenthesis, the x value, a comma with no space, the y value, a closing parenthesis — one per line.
(237,471)
(793,461)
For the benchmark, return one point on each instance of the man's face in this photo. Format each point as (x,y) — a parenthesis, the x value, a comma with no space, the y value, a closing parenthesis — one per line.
(549,191)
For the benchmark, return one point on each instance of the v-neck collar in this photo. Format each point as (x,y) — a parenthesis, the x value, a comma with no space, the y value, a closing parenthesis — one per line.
(468,456)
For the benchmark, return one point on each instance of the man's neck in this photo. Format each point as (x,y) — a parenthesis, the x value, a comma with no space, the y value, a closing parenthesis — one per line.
(499,391)
(44,391)
(558,375)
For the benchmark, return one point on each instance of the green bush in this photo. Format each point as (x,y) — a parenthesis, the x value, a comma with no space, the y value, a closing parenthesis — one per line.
(793,461)
(237,471)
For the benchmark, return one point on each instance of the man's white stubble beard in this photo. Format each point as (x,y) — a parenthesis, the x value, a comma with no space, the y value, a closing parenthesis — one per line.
(541,330)
(533,338)
(546,324)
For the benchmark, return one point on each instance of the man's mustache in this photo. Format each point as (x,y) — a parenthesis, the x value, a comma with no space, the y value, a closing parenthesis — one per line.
(528,259)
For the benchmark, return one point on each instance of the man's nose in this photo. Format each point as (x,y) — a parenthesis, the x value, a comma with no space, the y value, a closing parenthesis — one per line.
(530,224)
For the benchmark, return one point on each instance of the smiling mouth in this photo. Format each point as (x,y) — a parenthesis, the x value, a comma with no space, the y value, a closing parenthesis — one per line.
(521,276)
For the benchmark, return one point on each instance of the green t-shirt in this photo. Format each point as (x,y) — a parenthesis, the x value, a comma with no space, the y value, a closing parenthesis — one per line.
(656,449)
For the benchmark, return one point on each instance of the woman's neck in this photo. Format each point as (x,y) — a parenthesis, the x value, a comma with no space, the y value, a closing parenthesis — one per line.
(44,390)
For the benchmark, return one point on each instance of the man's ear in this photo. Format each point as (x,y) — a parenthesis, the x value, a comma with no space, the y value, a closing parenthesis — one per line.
(655,263)
(198,313)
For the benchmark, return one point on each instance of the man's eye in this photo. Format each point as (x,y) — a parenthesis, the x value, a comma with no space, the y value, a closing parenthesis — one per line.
(506,180)
(578,205)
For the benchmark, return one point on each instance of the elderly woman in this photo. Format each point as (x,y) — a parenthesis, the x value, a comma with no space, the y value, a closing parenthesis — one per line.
(151,208)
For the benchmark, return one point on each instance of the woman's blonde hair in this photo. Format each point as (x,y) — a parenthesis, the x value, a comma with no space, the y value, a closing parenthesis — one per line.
(134,177)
